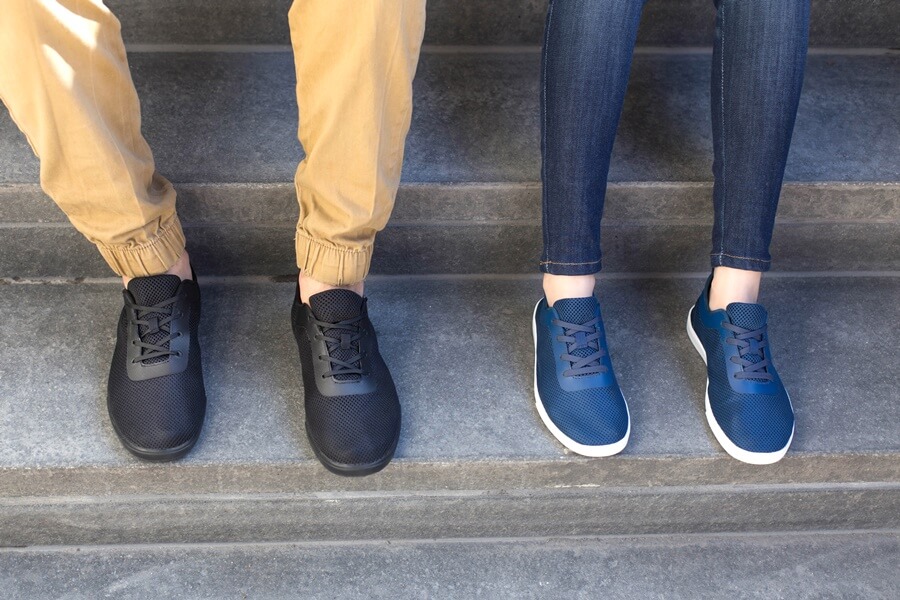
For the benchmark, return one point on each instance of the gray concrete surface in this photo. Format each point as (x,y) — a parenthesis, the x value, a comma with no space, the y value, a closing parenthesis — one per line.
(470,203)
(483,203)
(460,351)
(845,566)
(651,246)
(480,22)
(227,118)
(598,509)
(473,458)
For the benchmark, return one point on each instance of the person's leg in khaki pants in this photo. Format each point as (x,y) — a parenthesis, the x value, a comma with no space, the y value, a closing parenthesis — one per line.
(65,79)
(355,65)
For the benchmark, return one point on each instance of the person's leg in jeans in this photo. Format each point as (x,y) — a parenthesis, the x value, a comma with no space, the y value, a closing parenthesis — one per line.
(355,66)
(588,46)
(757,73)
(65,80)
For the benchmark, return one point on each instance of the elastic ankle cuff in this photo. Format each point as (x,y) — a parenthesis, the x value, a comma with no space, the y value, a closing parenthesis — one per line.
(149,258)
(329,264)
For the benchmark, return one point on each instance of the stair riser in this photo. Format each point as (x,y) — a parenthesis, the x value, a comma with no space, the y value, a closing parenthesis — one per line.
(650,247)
(322,516)
(796,566)
(232,118)
(405,476)
(475,22)
(275,203)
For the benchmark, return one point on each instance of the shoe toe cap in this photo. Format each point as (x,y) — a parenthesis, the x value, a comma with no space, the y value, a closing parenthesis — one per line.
(155,432)
(760,425)
(594,417)
(158,420)
(354,430)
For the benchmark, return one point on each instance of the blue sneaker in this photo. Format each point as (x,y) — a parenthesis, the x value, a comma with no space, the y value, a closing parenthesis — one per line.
(575,388)
(747,407)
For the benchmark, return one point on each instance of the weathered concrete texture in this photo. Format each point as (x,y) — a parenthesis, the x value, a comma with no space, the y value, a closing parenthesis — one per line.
(461,354)
(601,510)
(470,247)
(194,477)
(227,118)
(802,567)
(473,458)
(691,567)
(427,203)
(477,22)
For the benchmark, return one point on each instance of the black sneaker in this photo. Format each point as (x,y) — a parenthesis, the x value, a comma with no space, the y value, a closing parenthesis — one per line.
(352,410)
(156,397)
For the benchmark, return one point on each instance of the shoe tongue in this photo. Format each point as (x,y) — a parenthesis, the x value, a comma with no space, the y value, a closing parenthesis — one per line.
(149,291)
(576,310)
(337,305)
(334,306)
(748,316)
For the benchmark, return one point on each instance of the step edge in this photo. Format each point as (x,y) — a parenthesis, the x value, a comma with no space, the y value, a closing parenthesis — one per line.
(422,477)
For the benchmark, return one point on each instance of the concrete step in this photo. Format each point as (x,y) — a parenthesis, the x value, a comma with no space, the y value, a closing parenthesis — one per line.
(834,565)
(473,459)
(855,23)
(223,127)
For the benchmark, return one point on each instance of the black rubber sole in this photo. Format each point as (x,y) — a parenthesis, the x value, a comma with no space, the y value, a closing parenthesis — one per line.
(346,470)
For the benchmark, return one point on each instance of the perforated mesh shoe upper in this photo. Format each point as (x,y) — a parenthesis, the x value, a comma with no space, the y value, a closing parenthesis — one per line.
(574,383)
(352,410)
(747,398)
(156,397)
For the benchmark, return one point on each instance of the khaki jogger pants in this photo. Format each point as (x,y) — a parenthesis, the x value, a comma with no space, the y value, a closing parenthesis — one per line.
(65,80)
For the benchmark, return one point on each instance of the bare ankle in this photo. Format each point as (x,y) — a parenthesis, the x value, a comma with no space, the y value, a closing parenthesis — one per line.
(311,287)
(557,287)
(733,285)
(182,268)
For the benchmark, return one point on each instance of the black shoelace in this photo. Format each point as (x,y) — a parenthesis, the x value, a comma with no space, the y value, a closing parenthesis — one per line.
(343,335)
(750,342)
(577,337)
(148,317)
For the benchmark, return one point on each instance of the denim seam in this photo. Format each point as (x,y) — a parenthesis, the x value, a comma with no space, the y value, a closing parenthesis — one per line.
(544,212)
(553,262)
(722,117)
(740,257)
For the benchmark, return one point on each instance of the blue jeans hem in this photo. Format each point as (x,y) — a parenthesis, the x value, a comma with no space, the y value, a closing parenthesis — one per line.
(566,268)
(746,263)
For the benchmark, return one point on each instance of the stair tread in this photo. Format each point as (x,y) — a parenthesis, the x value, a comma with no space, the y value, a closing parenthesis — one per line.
(801,566)
(672,22)
(231,118)
(461,353)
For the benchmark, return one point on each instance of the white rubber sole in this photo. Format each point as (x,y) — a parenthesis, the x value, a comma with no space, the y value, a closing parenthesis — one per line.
(733,450)
(582,449)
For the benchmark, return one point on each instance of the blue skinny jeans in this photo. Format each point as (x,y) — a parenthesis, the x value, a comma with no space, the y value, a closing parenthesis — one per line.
(757,72)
